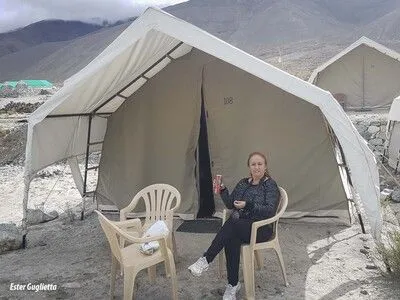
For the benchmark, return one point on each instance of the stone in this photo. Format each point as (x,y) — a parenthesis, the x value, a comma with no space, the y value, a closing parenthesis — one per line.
(377,154)
(366,135)
(381,135)
(364,251)
(375,123)
(361,128)
(396,195)
(386,193)
(50,216)
(10,237)
(36,216)
(373,129)
(371,267)
(364,292)
(376,142)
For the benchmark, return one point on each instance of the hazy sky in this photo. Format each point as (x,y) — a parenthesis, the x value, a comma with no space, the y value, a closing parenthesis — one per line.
(19,13)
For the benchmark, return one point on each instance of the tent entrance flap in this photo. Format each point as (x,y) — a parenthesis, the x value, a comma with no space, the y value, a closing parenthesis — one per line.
(206,199)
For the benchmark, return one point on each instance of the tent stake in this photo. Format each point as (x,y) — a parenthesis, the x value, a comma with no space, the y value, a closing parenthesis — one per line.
(361,223)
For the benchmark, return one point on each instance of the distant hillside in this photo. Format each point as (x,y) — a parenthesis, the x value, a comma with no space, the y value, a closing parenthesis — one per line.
(43,32)
(14,64)
(386,27)
(303,33)
(71,57)
(253,24)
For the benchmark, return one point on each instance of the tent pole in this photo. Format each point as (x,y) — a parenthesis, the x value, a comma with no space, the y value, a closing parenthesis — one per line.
(334,141)
(27,183)
(142,75)
(397,163)
(351,182)
(385,155)
(86,166)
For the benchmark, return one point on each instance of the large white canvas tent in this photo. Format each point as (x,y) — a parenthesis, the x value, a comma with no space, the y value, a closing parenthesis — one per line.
(148,93)
(362,76)
(392,143)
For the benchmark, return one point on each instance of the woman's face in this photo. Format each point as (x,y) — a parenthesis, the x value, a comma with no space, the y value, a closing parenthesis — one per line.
(257,166)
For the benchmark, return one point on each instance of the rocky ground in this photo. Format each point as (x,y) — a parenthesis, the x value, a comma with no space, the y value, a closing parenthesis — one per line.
(323,261)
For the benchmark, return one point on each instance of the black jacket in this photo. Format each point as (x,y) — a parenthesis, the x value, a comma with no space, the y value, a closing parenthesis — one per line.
(261,199)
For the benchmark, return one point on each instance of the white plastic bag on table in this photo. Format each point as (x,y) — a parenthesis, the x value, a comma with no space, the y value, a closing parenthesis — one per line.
(158,228)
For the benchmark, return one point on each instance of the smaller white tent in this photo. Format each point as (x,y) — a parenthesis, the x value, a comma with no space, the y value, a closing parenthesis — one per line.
(362,76)
(142,98)
(392,144)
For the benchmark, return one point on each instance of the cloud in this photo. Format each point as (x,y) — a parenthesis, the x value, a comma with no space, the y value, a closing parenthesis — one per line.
(18,13)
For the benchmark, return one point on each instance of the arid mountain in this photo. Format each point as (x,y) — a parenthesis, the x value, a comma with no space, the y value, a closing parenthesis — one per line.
(252,24)
(385,28)
(72,57)
(43,32)
(302,32)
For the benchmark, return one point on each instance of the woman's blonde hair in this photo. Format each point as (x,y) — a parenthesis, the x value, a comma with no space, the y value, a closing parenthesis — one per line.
(265,161)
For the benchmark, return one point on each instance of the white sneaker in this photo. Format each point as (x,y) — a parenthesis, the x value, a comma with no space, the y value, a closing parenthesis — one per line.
(231,291)
(199,266)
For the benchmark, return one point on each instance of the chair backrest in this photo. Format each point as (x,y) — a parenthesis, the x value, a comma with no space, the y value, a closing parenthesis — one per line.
(158,200)
(283,203)
(112,233)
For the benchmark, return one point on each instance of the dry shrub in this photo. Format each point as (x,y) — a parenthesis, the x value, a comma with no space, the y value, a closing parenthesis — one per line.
(390,253)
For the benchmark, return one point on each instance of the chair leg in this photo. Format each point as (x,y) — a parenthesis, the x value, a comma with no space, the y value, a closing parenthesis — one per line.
(259,259)
(114,263)
(129,282)
(221,263)
(248,273)
(171,243)
(172,272)
(167,269)
(174,248)
(278,252)
(152,273)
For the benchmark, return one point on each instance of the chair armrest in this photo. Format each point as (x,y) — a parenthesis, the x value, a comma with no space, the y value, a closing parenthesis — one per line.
(137,240)
(258,224)
(129,224)
(261,223)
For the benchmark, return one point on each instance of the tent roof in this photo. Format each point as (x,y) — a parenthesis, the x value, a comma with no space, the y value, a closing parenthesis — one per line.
(148,45)
(362,41)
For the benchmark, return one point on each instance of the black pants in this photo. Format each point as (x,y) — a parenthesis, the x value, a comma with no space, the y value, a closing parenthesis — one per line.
(231,236)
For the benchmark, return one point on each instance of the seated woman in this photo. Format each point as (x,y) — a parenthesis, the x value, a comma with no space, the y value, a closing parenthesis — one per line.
(253,199)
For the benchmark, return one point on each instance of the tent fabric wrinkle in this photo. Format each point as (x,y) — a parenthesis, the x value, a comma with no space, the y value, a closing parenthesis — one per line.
(152,133)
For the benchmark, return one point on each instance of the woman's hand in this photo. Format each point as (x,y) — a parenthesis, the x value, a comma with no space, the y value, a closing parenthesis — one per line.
(239,204)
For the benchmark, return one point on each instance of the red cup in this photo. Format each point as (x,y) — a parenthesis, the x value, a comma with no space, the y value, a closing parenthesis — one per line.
(217,184)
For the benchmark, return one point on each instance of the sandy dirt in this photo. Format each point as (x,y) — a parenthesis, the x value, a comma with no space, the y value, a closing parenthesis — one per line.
(323,261)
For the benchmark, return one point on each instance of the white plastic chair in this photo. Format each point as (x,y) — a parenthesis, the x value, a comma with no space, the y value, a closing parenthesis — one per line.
(161,201)
(249,251)
(131,259)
